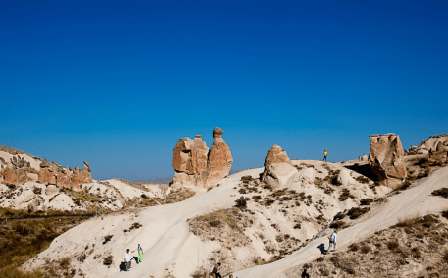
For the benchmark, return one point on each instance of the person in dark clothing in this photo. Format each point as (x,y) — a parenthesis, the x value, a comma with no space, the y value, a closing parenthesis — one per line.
(446,158)
(429,153)
(216,270)
(305,274)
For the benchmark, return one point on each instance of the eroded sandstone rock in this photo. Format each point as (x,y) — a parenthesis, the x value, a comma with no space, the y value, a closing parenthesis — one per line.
(195,164)
(386,159)
(278,168)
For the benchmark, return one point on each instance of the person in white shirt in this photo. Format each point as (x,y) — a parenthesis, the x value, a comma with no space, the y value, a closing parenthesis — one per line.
(332,239)
(127,260)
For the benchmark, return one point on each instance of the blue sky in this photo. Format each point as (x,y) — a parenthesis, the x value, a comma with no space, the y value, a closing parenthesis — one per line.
(117,83)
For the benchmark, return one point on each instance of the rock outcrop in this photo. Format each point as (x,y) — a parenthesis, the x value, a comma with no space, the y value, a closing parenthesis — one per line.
(278,168)
(364,158)
(436,143)
(197,165)
(53,174)
(386,159)
(15,172)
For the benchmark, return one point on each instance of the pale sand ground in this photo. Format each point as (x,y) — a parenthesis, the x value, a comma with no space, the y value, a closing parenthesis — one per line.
(413,202)
(169,246)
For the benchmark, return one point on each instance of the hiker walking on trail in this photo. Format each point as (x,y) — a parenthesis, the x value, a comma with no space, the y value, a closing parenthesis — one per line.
(140,252)
(127,260)
(325,156)
(305,274)
(429,153)
(332,241)
(216,270)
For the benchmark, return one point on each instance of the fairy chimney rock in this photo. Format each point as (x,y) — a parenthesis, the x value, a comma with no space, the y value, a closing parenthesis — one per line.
(387,159)
(278,168)
(197,165)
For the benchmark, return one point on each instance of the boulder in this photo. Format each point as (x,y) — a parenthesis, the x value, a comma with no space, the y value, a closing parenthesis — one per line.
(364,158)
(441,147)
(198,166)
(344,178)
(387,159)
(278,168)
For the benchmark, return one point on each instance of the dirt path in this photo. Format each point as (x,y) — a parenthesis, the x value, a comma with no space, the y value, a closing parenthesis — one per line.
(413,202)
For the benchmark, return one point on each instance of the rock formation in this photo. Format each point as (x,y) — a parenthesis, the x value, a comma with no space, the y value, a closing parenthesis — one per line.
(364,158)
(386,159)
(441,147)
(53,174)
(219,159)
(14,174)
(436,143)
(194,164)
(278,168)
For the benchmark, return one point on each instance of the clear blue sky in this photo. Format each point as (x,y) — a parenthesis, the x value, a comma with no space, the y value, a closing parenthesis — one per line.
(117,83)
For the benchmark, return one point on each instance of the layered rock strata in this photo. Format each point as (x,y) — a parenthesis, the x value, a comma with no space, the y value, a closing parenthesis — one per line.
(386,159)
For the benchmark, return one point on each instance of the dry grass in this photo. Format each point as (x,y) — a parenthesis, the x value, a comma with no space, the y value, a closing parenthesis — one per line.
(21,240)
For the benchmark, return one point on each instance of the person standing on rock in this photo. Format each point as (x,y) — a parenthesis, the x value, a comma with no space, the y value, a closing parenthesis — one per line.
(216,270)
(127,260)
(325,156)
(140,252)
(429,153)
(332,241)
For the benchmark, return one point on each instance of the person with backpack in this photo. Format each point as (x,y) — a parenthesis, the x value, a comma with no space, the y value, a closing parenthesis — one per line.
(332,241)
(325,156)
(140,252)
(216,270)
(127,260)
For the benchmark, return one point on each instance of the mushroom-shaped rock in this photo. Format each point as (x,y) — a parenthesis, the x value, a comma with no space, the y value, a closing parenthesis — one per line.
(386,159)
(278,168)
(219,159)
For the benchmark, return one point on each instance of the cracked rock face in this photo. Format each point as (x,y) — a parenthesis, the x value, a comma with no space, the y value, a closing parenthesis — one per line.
(197,165)
(387,159)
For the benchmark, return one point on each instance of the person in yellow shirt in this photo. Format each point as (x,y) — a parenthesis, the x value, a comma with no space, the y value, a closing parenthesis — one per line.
(325,156)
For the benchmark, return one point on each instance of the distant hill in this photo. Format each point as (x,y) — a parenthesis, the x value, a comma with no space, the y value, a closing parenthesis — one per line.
(168,179)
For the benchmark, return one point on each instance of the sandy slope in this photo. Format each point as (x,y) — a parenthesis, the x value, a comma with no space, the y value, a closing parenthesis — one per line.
(414,201)
(170,248)
(169,240)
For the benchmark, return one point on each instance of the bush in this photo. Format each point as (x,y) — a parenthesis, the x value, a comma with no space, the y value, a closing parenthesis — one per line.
(392,245)
(247,178)
(108,260)
(354,247)
(356,212)
(107,239)
(339,216)
(363,179)
(338,225)
(441,193)
(241,203)
(366,202)
(365,249)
